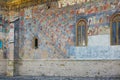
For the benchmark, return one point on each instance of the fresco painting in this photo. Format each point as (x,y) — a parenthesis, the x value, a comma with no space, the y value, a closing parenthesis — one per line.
(56,30)
(1,36)
(11,33)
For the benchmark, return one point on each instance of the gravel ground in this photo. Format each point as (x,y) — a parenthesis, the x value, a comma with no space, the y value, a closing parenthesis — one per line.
(57,78)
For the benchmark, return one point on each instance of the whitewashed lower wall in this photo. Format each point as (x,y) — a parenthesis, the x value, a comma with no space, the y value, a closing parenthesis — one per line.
(99,40)
(79,68)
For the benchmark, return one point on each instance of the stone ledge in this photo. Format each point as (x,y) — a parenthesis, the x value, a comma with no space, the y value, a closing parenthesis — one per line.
(57,78)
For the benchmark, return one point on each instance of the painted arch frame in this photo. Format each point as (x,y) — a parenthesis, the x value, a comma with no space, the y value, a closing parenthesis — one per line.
(112,20)
(86,29)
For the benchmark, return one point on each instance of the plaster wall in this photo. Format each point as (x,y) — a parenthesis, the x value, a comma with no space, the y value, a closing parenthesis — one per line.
(57,53)
(91,68)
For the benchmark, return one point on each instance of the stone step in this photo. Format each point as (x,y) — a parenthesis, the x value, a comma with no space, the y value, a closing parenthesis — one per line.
(57,78)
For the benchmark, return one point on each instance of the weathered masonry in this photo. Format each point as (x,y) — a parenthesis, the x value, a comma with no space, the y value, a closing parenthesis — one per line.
(60,38)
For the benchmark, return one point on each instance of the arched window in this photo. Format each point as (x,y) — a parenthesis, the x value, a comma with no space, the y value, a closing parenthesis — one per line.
(115,29)
(81,33)
(35,42)
(1,44)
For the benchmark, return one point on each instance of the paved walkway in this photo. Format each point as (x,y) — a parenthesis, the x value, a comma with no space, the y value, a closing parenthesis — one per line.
(57,78)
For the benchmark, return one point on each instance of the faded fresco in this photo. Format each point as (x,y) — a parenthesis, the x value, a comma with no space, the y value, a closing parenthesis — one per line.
(4,30)
(56,30)
(1,37)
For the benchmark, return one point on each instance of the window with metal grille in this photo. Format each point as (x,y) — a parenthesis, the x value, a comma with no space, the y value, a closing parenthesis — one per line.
(115,29)
(81,33)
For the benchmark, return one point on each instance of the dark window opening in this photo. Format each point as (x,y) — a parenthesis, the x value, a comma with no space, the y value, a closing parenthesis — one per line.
(48,6)
(36,43)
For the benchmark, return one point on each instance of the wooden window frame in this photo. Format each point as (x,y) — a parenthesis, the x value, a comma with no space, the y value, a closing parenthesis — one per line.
(86,41)
(117,34)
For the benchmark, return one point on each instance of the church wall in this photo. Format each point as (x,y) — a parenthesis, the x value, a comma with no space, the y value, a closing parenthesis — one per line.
(56,32)
(98,45)
(57,53)
(3,44)
(1,38)
(1,35)
(44,25)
